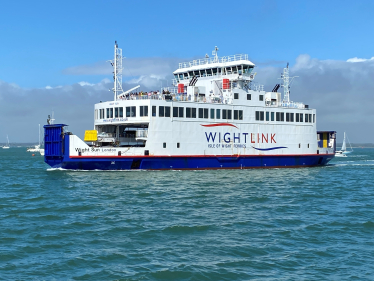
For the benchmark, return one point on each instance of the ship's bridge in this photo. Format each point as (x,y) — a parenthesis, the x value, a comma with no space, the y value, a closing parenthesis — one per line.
(216,66)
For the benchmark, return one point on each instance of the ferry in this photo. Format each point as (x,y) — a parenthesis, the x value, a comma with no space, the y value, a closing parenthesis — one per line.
(213,117)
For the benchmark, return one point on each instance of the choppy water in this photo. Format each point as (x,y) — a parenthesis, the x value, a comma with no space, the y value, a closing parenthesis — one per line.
(274,224)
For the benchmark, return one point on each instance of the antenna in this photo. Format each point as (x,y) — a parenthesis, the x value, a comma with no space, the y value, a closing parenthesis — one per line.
(117,70)
(214,53)
(287,80)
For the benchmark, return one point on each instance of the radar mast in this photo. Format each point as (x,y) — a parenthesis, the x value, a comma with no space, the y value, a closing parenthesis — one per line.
(117,71)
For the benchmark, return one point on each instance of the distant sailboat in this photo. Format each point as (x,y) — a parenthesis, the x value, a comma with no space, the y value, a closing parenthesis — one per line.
(343,151)
(7,145)
(36,148)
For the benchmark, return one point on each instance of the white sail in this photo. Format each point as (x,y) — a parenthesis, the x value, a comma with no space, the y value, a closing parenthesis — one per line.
(344,146)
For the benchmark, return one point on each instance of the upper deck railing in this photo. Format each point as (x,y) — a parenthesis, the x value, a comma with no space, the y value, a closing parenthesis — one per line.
(213,60)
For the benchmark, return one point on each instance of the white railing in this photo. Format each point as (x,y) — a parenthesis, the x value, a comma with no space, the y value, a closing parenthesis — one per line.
(142,134)
(213,60)
(293,104)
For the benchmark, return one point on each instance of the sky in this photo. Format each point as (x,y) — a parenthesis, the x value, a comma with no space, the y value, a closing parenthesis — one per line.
(53,55)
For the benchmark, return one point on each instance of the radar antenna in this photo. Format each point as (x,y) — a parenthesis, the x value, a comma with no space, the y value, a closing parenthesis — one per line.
(287,80)
(117,70)
(215,54)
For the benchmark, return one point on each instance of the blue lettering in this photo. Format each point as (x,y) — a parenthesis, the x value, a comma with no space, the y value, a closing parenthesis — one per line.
(245,137)
(224,137)
(237,138)
(210,136)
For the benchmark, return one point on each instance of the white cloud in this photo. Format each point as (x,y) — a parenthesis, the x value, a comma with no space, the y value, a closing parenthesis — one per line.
(356,59)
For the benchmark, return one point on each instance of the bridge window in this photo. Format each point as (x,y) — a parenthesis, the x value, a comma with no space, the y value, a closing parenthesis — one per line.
(178,111)
(236,96)
(314,118)
(212,113)
(116,112)
(272,116)
(259,116)
(167,111)
(289,117)
(267,115)
(144,110)
(306,118)
(218,113)
(261,97)
(121,112)
(131,111)
(310,118)
(161,111)
(249,97)
(226,114)
(297,117)
(238,114)
(190,112)
(280,116)
(154,111)
(209,72)
(301,117)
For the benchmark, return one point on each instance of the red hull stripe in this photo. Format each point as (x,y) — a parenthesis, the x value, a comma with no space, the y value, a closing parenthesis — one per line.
(219,124)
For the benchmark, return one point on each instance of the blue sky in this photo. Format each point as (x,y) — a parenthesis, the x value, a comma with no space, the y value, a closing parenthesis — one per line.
(62,43)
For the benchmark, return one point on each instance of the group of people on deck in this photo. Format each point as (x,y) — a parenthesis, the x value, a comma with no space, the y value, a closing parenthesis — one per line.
(145,95)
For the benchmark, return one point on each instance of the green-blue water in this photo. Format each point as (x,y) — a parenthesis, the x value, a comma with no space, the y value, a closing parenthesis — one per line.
(272,224)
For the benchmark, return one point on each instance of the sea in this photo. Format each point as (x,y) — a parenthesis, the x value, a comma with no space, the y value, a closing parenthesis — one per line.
(259,224)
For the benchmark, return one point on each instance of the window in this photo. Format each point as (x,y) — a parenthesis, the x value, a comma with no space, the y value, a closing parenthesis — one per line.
(280,116)
(107,113)
(167,111)
(267,115)
(299,145)
(249,97)
(201,113)
(193,112)
(272,116)
(143,110)
(212,113)
(259,115)
(111,112)
(178,146)
(306,118)
(178,111)
(301,117)
(121,112)
(297,117)
(206,113)
(226,114)
(289,117)
(238,114)
(310,118)
(164,145)
(188,112)
(236,96)
(218,113)
(161,111)
(154,111)
(314,118)
(131,111)
(261,97)
(116,112)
